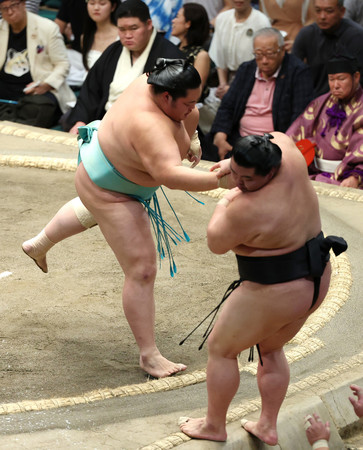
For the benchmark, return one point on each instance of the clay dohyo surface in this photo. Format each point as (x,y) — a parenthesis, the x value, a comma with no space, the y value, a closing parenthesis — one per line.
(64,333)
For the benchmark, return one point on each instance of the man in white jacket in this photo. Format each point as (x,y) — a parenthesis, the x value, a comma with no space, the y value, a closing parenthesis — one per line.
(33,58)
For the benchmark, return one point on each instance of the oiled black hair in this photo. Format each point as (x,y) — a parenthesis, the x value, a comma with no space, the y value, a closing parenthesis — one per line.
(175,76)
(257,152)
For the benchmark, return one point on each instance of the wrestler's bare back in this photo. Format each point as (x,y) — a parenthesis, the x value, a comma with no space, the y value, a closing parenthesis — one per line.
(136,135)
(276,219)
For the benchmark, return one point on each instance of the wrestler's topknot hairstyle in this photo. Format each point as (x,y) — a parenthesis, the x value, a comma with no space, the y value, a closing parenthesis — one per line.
(175,76)
(257,152)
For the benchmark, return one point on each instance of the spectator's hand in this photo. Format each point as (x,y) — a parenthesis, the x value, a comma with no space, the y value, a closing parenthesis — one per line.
(220,141)
(41,89)
(351,182)
(36,88)
(74,129)
(316,429)
(357,402)
(221,90)
(288,45)
(223,149)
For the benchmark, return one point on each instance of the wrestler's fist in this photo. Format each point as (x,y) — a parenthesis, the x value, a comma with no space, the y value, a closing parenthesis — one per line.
(194,154)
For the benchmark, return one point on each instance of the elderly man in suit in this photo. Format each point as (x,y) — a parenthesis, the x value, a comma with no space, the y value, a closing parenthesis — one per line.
(266,95)
(33,57)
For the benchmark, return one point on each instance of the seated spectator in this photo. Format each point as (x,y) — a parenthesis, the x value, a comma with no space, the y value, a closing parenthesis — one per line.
(191,27)
(266,95)
(288,16)
(317,43)
(70,19)
(354,10)
(31,6)
(213,7)
(121,63)
(33,60)
(318,433)
(334,123)
(231,44)
(99,32)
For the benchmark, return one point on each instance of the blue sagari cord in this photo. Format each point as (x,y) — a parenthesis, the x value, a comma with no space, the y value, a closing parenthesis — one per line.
(164,233)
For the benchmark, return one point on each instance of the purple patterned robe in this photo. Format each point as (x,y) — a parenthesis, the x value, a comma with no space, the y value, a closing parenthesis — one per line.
(342,141)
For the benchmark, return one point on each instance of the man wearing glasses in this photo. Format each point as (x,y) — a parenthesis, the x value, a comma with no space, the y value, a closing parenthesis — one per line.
(33,58)
(267,94)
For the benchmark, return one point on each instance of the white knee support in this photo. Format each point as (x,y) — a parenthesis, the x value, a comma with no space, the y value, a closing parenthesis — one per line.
(83,215)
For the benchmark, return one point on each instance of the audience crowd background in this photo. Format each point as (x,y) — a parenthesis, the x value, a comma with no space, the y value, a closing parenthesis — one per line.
(64,61)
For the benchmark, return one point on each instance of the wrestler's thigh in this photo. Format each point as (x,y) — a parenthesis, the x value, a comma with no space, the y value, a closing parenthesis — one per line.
(126,228)
(254,312)
(288,331)
(123,222)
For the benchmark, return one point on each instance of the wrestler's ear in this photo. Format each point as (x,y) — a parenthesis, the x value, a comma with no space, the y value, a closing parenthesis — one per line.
(272,173)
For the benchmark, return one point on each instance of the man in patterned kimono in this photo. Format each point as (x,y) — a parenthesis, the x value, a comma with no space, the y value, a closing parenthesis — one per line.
(333,122)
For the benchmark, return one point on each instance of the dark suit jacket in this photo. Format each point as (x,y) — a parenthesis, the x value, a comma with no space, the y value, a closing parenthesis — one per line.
(293,92)
(95,89)
(316,47)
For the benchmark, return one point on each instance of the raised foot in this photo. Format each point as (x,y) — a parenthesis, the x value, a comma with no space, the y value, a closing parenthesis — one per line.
(197,428)
(160,367)
(268,436)
(40,260)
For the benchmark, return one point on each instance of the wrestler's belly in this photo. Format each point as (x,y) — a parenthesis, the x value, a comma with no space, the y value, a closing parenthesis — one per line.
(88,191)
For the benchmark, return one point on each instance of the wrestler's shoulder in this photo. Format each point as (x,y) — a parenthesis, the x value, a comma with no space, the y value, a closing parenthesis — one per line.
(282,138)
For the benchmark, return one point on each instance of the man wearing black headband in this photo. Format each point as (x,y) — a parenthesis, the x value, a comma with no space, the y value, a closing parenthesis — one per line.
(334,123)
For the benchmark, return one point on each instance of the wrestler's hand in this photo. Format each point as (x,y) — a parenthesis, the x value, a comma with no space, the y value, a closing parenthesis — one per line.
(74,129)
(351,182)
(232,194)
(194,154)
(357,402)
(224,167)
(225,181)
(193,158)
(316,429)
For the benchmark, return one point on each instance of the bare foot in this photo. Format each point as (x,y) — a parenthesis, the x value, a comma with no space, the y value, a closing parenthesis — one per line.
(159,367)
(266,435)
(197,428)
(40,260)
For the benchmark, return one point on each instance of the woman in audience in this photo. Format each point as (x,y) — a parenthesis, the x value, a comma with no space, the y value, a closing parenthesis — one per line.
(191,27)
(99,31)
